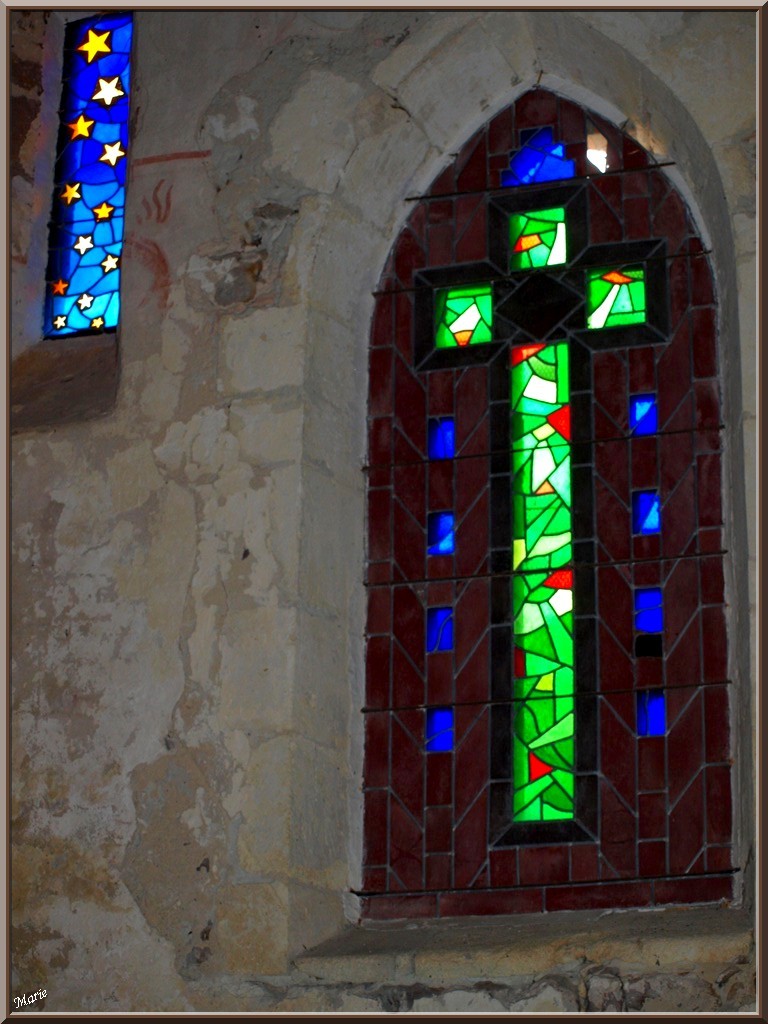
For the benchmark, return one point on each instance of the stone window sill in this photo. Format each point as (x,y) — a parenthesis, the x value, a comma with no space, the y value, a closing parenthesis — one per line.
(454,950)
(64,381)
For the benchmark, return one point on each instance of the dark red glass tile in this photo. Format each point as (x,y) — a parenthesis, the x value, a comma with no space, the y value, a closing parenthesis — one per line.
(613,524)
(406,841)
(637,221)
(646,546)
(615,663)
(534,108)
(651,764)
(715,649)
(411,406)
(584,866)
(440,245)
(380,440)
(473,243)
(686,826)
(681,600)
(500,133)
(409,256)
(440,211)
(572,122)
(440,392)
(375,813)
(381,329)
(670,220)
(438,871)
(472,618)
(407,683)
(462,904)
(701,277)
(719,858)
(710,509)
(617,753)
(440,678)
(377,672)
(604,225)
(496,166)
(642,365)
(704,348)
(716,723)
(440,485)
(471,404)
(693,890)
(440,567)
(471,167)
(380,382)
(541,865)
(635,183)
(652,815)
(439,829)
(707,404)
(410,544)
(646,574)
(472,538)
(611,462)
(471,758)
(408,763)
(440,594)
(610,188)
(472,476)
(718,792)
(404,325)
(678,518)
(379,525)
(652,858)
(598,895)
(472,678)
(609,374)
(439,779)
(503,867)
(710,540)
(374,879)
(444,183)
(618,831)
(685,747)
(411,491)
(645,463)
(377,748)
(684,657)
(674,372)
(379,908)
(615,596)
(602,424)
(470,841)
(678,288)
(649,672)
(409,626)
(676,458)
(379,610)
(379,572)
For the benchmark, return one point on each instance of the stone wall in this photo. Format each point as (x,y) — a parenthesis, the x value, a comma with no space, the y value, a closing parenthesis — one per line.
(187,605)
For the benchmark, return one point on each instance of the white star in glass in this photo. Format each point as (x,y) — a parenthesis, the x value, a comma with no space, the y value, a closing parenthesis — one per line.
(85,301)
(83,244)
(59,322)
(109,91)
(112,153)
(109,263)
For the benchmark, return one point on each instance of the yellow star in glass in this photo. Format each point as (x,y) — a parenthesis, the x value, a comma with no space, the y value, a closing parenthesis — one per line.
(110,263)
(102,212)
(109,91)
(112,153)
(59,287)
(95,44)
(59,322)
(98,322)
(71,193)
(85,301)
(80,127)
(83,244)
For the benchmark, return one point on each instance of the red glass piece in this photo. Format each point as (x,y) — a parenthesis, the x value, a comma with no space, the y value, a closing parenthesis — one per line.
(561,579)
(536,767)
(561,421)
(519,353)
(526,242)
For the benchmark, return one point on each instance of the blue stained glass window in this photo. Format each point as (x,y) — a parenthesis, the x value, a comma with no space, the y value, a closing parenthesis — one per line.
(649,617)
(440,535)
(87,222)
(643,414)
(651,713)
(646,512)
(442,439)
(439,730)
(439,629)
(540,158)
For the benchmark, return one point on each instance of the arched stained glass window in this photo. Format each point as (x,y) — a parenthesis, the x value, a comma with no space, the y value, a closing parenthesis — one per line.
(88,214)
(546,714)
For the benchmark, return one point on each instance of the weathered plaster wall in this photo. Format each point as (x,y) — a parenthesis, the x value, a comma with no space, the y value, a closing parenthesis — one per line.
(187,608)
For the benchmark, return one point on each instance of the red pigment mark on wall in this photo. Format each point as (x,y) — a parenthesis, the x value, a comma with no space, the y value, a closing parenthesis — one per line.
(160,210)
(151,256)
(191,154)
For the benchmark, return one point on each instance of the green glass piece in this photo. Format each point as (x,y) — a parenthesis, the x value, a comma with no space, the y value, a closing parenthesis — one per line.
(463,316)
(537,239)
(615,297)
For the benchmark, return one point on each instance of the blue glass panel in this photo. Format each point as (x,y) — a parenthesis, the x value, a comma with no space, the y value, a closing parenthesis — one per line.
(540,158)
(643,414)
(651,713)
(442,439)
(87,220)
(440,535)
(439,629)
(646,512)
(439,730)
(649,617)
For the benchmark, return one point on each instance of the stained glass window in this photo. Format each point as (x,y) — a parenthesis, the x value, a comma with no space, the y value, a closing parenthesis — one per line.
(643,414)
(440,730)
(615,297)
(463,316)
(442,438)
(440,533)
(537,239)
(649,617)
(87,223)
(646,512)
(439,629)
(539,159)
(651,713)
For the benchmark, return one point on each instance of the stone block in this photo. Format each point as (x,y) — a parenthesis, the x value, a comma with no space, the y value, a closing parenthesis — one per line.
(250,931)
(318,850)
(418,46)
(268,432)
(262,351)
(549,995)
(458,1001)
(331,559)
(605,992)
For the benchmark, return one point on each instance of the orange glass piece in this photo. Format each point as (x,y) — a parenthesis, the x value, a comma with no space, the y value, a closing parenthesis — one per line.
(526,242)
(546,488)
(614,277)
(462,337)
